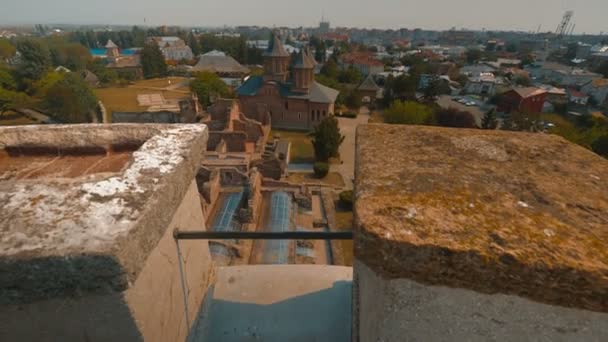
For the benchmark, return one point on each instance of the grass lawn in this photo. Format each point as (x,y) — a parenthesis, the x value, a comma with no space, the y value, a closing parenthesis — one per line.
(160,82)
(125,98)
(301,147)
(344,221)
(332,179)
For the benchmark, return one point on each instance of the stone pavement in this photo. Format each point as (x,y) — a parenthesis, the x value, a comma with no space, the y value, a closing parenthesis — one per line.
(348,128)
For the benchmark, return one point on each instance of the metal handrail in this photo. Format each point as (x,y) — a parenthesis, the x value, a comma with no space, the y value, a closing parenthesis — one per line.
(292,235)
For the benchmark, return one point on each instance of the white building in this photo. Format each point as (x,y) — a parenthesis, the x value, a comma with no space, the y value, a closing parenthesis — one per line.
(173,48)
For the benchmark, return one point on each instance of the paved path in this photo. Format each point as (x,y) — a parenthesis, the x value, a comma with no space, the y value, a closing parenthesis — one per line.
(277,303)
(348,128)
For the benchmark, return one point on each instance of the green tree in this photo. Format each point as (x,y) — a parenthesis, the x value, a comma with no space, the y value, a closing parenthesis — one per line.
(473,55)
(7,50)
(206,85)
(73,56)
(35,59)
(194,44)
(600,145)
(42,86)
(353,100)
(7,81)
(452,117)
(321,169)
(523,80)
(350,75)
(489,120)
(71,100)
(330,69)
(603,69)
(408,112)
(105,75)
(11,100)
(326,139)
(153,61)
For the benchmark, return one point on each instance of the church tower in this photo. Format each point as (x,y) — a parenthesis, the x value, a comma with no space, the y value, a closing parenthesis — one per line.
(112,51)
(276,60)
(303,71)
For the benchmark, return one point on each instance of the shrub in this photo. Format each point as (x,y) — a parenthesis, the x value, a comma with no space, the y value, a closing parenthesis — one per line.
(346,199)
(321,169)
(409,113)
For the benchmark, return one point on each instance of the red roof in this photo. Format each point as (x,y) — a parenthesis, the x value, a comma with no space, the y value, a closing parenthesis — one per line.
(529,91)
(576,93)
(360,58)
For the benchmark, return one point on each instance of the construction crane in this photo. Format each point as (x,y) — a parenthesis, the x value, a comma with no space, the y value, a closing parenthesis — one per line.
(562,28)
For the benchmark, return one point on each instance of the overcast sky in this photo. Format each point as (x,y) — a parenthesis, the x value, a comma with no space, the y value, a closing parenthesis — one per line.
(591,16)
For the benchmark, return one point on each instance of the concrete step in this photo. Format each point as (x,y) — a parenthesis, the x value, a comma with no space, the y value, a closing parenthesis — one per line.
(277,303)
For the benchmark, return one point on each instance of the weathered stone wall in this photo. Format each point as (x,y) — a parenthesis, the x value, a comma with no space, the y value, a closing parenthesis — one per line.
(151,309)
(235,141)
(405,310)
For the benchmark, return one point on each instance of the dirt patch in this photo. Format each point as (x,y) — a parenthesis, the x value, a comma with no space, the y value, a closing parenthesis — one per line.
(17,166)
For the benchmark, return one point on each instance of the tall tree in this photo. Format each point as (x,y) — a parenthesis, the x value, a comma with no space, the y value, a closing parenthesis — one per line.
(194,44)
(71,100)
(326,139)
(11,100)
(489,120)
(206,85)
(35,59)
(7,50)
(153,61)
(473,55)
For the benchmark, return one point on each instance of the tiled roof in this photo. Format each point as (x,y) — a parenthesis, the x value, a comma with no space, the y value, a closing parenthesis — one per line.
(317,92)
(219,64)
(526,92)
(368,84)
(360,58)
(276,48)
(600,83)
(303,60)
(110,44)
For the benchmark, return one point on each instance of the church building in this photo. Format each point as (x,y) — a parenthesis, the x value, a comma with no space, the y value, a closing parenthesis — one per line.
(293,100)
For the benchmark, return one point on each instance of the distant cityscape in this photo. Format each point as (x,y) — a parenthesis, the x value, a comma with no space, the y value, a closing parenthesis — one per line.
(248,183)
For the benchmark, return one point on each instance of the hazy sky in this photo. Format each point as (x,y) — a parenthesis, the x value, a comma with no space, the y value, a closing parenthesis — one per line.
(590,16)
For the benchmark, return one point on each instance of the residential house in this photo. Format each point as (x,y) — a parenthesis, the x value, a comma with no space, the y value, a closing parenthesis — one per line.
(226,67)
(128,67)
(523,99)
(598,90)
(365,62)
(575,96)
(563,75)
(368,90)
(555,95)
(483,84)
(476,70)
(90,78)
(173,48)
(293,101)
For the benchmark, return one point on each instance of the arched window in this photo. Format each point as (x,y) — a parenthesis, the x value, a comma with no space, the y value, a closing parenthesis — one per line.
(324,114)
